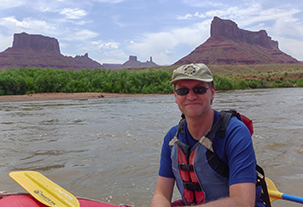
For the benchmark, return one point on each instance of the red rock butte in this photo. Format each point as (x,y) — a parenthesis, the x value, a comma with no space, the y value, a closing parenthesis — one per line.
(229,45)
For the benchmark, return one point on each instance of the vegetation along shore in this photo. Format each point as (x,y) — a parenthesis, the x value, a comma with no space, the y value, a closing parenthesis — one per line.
(153,80)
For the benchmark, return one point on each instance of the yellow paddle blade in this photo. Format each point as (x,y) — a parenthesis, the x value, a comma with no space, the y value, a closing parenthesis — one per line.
(44,190)
(272,190)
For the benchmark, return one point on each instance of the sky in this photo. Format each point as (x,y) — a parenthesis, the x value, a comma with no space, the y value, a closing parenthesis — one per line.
(166,30)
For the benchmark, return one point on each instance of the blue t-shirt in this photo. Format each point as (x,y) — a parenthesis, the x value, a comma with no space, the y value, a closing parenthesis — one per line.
(235,149)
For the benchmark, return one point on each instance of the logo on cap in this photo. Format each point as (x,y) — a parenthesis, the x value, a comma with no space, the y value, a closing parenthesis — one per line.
(189,70)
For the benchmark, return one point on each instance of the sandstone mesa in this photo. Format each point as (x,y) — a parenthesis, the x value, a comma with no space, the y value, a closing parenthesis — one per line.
(229,45)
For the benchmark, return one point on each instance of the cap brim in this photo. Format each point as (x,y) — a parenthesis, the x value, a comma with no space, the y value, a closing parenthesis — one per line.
(191,78)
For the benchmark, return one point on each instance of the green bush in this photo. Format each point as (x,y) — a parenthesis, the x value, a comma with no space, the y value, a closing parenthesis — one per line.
(299,83)
(223,83)
(280,84)
(253,83)
(34,80)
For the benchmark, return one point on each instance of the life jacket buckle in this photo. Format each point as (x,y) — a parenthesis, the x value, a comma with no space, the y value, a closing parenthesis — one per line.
(182,166)
(192,186)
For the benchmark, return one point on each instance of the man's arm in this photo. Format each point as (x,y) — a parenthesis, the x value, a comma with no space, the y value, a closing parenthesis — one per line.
(163,192)
(240,195)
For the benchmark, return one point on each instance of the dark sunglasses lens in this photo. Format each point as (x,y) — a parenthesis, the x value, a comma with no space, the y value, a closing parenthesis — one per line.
(196,90)
(182,91)
(200,90)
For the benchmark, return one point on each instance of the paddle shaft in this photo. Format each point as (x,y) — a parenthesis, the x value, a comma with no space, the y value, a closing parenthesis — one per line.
(292,198)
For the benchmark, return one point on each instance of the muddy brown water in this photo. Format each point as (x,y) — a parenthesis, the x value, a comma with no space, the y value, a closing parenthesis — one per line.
(108,149)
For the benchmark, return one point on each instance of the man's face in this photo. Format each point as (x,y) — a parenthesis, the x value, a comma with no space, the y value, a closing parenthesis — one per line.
(192,104)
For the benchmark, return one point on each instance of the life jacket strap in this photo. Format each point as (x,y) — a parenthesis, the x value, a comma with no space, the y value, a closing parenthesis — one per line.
(173,141)
(261,182)
(206,142)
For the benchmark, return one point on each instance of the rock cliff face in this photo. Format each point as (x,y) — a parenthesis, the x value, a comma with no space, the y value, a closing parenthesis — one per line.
(36,42)
(230,45)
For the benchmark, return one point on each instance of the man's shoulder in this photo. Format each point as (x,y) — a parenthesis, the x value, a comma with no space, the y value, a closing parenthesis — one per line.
(235,122)
(173,129)
(171,132)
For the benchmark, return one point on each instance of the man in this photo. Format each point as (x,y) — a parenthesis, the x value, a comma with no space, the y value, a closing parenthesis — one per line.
(198,181)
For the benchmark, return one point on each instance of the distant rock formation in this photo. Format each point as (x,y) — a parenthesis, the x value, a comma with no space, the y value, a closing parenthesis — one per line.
(131,63)
(230,45)
(134,63)
(85,62)
(37,51)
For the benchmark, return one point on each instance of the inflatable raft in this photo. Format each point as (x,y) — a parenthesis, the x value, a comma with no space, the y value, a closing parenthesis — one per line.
(26,200)
(43,192)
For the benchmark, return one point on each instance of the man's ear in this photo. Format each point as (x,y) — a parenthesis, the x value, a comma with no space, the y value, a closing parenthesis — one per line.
(175,97)
(212,94)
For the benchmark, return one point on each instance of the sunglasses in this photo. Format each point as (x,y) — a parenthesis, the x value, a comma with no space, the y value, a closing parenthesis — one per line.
(196,90)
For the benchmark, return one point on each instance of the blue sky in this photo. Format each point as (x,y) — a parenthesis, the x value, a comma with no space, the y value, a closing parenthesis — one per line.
(111,30)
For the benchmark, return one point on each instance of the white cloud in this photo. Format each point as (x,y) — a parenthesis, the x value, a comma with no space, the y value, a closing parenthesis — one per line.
(216,4)
(107,45)
(274,14)
(73,13)
(81,35)
(199,15)
(85,34)
(29,25)
(190,16)
(187,16)
(251,14)
(255,16)
(82,22)
(5,4)
(110,1)
(45,9)
(199,3)
(287,25)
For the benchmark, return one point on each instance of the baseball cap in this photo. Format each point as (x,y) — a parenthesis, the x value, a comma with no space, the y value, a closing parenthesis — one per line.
(198,71)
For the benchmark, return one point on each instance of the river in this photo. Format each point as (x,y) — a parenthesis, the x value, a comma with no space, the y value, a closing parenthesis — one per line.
(108,149)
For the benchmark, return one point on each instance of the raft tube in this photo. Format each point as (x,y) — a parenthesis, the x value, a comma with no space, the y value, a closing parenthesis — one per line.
(17,200)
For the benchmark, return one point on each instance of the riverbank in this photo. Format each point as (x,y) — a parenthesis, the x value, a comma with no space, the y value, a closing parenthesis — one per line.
(67,96)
